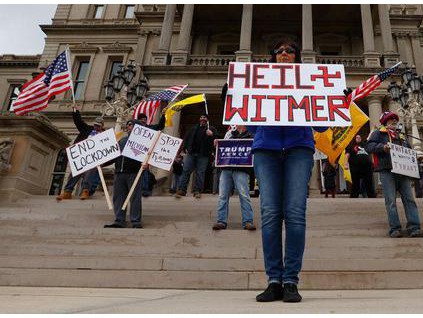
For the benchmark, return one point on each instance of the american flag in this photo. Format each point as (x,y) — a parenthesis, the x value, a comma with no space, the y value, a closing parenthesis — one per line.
(150,104)
(35,94)
(371,84)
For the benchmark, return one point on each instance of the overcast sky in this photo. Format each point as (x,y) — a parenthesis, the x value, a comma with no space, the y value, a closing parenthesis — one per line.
(20,33)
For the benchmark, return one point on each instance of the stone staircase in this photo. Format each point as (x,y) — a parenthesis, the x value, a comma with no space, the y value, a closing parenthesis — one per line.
(46,243)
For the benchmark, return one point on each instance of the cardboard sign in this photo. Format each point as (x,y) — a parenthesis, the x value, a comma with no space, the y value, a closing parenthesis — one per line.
(139,142)
(404,161)
(276,94)
(93,152)
(164,152)
(234,153)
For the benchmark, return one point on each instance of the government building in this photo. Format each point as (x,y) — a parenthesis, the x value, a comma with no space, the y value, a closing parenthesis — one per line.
(190,44)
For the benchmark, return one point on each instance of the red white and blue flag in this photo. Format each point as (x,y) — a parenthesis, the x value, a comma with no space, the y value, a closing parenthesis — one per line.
(149,105)
(371,84)
(35,94)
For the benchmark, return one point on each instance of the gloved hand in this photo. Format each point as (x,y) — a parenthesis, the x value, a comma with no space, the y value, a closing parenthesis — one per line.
(224,92)
(347,91)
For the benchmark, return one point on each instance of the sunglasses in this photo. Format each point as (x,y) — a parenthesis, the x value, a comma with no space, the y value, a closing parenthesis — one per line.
(288,50)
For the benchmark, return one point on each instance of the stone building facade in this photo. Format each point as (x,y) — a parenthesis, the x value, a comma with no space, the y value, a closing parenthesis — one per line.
(193,44)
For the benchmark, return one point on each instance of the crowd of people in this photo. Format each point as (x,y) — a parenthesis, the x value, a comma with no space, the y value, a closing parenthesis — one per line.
(283,163)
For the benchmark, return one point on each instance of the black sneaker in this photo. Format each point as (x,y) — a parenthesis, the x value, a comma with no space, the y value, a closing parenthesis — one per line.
(136,226)
(290,293)
(415,233)
(273,292)
(114,226)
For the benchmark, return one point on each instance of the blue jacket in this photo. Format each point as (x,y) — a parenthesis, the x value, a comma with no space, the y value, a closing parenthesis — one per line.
(283,137)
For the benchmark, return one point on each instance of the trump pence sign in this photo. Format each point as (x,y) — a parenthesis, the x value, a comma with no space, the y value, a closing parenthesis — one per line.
(277,94)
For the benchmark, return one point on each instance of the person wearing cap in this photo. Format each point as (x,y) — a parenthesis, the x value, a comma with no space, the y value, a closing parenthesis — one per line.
(126,170)
(378,145)
(85,131)
(143,119)
(198,144)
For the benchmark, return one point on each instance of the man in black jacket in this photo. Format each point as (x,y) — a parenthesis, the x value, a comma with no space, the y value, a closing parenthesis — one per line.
(85,131)
(126,170)
(198,144)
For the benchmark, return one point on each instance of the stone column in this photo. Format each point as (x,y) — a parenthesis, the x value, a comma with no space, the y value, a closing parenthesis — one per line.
(371,57)
(244,54)
(374,103)
(180,56)
(308,54)
(160,56)
(389,56)
(417,53)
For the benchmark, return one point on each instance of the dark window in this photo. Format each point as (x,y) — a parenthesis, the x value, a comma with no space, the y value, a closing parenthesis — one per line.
(129,11)
(330,50)
(80,79)
(226,49)
(59,173)
(98,11)
(116,65)
(14,92)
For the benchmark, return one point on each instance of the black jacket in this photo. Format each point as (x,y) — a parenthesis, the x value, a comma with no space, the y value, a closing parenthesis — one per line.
(125,164)
(376,140)
(160,125)
(206,147)
(83,128)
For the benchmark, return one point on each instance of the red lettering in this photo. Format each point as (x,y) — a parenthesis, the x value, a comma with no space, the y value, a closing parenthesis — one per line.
(277,100)
(256,76)
(316,108)
(231,111)
(325,76)
(304,104)
(245,76)
(335,108)
(258,117)
(298,79)
(282,72)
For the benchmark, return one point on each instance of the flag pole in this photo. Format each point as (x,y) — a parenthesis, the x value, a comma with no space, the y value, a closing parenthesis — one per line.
(175,97)
(67,52)
(207,110)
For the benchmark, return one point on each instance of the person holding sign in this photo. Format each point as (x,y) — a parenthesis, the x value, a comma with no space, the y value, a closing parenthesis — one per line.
(126,170)
(378,144)
(91,176)
(238,177)
(283,161)
(198,144)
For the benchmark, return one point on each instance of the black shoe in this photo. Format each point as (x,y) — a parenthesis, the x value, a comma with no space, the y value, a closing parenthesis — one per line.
(114,225)
(290,293)
(136,226)
(273,292)
(415,233)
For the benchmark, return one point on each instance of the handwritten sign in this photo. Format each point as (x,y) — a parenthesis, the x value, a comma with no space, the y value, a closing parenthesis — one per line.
(234,153)
(276,94)
(93,152)
(164,152)
(139,142)
(404,161)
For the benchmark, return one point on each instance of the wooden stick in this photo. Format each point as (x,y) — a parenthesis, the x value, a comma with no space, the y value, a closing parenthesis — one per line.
(137,178)
(106,192)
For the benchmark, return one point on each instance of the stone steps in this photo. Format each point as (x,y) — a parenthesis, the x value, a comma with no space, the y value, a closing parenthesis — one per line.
(46,243)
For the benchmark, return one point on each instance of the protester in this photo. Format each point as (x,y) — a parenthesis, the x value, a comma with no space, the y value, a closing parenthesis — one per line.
(148,180)
(239,178)
(329,174)
(360,165)
(90,177)
(198,143)
(177,167)
(126,170)
(283,161)
(377,144)
(418,184)
(143,119)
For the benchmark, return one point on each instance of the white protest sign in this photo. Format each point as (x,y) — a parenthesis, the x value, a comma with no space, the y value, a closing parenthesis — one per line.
(276,94)
(404,161)
(93,152)
(165,151)
(139,142)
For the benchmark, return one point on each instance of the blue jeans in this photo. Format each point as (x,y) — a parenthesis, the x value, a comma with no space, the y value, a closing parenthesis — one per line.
(241,180)
(87,181)
(175,181)
(191,162)
(392,182)
(121,186)
(283,178)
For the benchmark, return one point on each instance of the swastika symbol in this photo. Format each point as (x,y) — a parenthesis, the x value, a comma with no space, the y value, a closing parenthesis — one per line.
(325,76)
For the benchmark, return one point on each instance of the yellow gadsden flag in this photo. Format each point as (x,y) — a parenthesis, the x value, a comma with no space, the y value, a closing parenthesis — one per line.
(176,107)
(334,140)
(347,172)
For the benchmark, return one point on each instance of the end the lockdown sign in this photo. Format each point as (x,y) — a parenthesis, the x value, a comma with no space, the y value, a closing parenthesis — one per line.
(92,152)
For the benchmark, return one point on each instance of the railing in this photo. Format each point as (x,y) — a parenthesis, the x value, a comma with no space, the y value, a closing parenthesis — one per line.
(348,61)
(211,60)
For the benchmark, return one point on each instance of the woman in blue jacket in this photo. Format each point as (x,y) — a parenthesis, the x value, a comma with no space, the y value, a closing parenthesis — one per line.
(283,161)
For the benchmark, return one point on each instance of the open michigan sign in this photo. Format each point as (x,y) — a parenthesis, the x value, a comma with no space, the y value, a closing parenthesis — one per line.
(275,94)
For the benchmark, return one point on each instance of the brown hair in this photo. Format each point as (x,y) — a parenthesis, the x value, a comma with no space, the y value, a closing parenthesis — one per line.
(289,42)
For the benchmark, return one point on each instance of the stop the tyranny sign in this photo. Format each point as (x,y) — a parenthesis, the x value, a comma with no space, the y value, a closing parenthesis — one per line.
(286,95)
